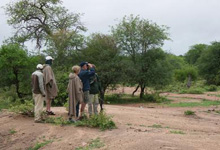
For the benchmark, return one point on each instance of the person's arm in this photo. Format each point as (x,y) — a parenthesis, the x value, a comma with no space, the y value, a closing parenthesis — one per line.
(91,72)
(41,84)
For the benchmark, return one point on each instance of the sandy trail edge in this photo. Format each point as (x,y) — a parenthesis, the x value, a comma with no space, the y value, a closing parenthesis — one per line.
(201,132)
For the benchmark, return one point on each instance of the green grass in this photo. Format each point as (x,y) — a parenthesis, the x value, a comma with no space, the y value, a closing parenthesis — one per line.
(12,131)
(57,121)
(142,125)
(177,132)
(156,126)
(203,103)
(217,111)
(189,112)
(94,144)
(192,91)
(40,145)
(129,124)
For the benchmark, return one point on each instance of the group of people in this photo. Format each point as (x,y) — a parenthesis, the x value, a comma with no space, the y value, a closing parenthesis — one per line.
(83,88)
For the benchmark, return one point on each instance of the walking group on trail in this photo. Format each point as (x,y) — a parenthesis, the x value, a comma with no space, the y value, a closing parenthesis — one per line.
(83,88)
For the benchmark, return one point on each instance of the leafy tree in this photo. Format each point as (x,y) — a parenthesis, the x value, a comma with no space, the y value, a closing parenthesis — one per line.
(194,53)
(209,62)
(43,20)
(101,50)
(135,37)
(16,68)
(188,73)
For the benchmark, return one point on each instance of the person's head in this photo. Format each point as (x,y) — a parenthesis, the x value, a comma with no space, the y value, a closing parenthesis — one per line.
(49,60)
(84,65)
(76,69)
(39,67)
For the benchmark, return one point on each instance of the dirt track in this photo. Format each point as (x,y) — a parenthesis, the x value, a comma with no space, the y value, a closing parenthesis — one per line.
(140,127)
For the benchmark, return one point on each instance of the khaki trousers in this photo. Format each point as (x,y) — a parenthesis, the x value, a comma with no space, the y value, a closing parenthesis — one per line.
(38,107)
(93,104)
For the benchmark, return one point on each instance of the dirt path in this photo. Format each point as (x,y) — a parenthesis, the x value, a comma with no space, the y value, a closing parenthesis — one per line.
(134,132)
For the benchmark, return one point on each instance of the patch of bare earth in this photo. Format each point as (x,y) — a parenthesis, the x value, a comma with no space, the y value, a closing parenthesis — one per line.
(141,127)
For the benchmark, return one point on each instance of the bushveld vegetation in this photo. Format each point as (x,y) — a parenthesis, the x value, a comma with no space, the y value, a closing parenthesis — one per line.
(130,54)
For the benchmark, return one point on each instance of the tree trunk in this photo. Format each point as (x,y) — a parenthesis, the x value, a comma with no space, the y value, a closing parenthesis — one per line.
(17,84)
(189,81)
(136,90)
(142,91)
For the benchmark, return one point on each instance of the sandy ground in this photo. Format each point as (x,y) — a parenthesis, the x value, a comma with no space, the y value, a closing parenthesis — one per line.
(134,129)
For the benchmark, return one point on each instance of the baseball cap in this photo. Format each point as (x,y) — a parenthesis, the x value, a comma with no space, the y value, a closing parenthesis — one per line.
(83,63)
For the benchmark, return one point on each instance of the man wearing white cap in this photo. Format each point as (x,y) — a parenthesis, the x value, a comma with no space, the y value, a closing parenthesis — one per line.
(38,92)
(50,84)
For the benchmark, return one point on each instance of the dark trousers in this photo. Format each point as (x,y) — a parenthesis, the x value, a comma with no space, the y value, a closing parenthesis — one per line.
(77,109)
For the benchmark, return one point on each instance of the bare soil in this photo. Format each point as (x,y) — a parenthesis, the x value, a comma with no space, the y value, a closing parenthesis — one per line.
(139,127)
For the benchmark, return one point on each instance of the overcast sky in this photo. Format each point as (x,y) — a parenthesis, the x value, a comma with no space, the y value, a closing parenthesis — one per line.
(190,21)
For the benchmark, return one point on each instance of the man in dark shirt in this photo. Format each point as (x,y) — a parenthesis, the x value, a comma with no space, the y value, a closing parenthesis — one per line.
(86,72)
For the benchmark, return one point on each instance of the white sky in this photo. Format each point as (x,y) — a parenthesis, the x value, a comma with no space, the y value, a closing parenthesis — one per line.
(190,21)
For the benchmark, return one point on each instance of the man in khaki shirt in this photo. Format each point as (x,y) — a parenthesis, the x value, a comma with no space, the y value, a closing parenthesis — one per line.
(38,92)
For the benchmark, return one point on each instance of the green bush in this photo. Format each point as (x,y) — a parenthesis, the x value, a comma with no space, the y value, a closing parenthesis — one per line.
(155,98)
(212,88)
(25,109)
(189,112)
(129,99)
(101,121)
(192,91)
(57,121)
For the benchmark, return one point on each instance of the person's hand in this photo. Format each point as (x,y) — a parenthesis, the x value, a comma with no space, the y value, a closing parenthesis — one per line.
(90,65)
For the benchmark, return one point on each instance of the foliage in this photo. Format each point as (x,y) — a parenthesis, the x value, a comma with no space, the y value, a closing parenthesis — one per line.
(57,121)
(101,121)
(192,91)
(156,126)
(184,73)
(25,109)
(209,63)
(128,99)
(62,79)
(203,103)
(15,68)
(177,132)
(40,20)
(194,53)
(101,50)
(94,144)
(140,40)
(12,131)
(40,145)
(211,88)
(189,112)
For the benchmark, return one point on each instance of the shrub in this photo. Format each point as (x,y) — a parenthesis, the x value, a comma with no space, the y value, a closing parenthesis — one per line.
(212,88)
(189,112)
(94,144)
(101,121)
(57,121)
(25,109)
(192,91)
(155,98)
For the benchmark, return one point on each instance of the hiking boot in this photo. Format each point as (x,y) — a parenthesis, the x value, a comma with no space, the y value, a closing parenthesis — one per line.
(50,113)
(39,121)
(72,120)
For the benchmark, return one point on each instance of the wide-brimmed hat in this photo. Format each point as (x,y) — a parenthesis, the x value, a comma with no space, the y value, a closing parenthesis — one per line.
(39,66)
(49,58)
